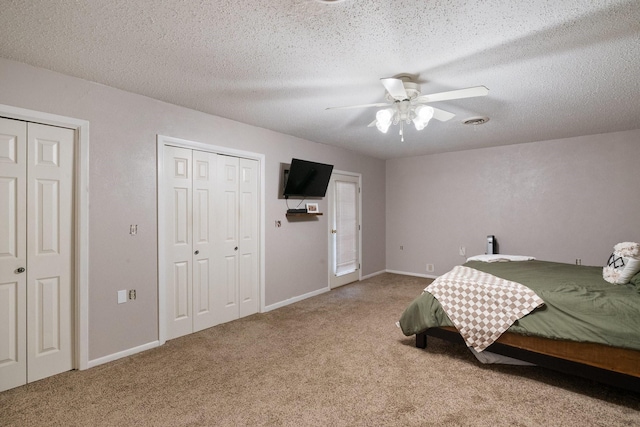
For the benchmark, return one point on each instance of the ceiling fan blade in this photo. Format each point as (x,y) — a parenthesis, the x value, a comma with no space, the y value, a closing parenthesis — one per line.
(442,115)
(469,92)
(395,87)
(379,104)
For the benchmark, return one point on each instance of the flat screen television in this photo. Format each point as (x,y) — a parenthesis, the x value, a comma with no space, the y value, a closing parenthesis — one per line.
(307,179)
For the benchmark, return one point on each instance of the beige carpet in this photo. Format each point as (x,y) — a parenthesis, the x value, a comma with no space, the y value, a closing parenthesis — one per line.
(335,359)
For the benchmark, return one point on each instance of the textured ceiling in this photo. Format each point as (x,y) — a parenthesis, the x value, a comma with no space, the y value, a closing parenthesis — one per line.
(555,68)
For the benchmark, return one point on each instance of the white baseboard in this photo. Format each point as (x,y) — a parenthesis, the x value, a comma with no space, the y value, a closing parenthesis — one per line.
(294,299)
(369,276)
(121,354)
(154,344)
(406,273)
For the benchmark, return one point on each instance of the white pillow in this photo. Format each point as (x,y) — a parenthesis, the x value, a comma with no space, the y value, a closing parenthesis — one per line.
(623,263)
(500,258)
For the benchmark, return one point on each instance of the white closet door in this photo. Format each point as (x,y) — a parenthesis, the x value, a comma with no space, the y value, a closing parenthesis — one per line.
(178,231)
(36,251)
(204,176)
(211,206)
(50,250)
(248,237)
(226,275)
(13,254)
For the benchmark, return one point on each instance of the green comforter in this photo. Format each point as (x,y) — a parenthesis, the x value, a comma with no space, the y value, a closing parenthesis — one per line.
(579,304)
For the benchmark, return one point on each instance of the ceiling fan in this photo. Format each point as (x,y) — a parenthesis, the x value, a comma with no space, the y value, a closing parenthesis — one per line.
(405,104)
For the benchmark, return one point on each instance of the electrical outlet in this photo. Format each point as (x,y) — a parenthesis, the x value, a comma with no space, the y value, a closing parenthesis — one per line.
(430,268)
(132,294)
(278,224)
(578,261)
(133,229)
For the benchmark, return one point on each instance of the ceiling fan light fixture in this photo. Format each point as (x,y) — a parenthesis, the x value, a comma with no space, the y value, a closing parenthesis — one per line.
(406,104)
(384,118)
(423,113)
(418,124)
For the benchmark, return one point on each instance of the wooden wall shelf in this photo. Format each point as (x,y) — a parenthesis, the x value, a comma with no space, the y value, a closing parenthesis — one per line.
(305,214)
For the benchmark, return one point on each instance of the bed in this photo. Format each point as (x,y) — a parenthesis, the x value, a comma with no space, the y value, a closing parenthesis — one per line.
(586,327)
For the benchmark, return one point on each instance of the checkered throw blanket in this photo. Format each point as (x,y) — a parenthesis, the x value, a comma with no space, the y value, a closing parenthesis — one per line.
(480,305)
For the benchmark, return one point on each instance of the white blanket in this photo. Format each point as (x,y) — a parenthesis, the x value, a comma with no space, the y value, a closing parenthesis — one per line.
(480,305)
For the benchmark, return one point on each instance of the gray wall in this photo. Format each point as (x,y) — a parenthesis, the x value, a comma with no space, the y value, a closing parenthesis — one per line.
(122,187)
(555,200)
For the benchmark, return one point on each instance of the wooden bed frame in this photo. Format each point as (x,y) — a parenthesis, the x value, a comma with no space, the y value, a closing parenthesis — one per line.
(615,366)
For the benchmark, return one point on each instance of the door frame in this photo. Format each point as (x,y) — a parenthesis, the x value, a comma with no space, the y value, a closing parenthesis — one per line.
(81,226)
(329,226)
(162,141)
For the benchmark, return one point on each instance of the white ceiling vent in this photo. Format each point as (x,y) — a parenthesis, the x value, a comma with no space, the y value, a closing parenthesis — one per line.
(476,121)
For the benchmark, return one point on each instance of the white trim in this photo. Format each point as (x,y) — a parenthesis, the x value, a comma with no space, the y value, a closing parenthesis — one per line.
(295,299)
(119,355)
(369,276)
(81,196)
(162,300)
(163,140)
(406,273)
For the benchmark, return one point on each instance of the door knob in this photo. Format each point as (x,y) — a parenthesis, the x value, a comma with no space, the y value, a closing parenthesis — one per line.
(196,252)
(20,270)
(236,248)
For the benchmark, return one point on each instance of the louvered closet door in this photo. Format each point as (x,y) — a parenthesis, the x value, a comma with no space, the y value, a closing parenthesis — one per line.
(36,251)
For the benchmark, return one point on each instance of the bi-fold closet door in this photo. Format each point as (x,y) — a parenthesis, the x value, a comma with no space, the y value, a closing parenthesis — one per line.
(211,229)
(36,251)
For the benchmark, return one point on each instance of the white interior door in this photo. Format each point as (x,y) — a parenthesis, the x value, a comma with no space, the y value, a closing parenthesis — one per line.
(248,238)
(344,223)
(211,232)
(13,254)
(178,187)
(50,253)
(36,251)
(236,237)
(204,179)
(227,307)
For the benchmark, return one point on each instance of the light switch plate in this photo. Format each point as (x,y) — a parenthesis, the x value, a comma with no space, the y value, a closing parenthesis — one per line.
(122,296)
